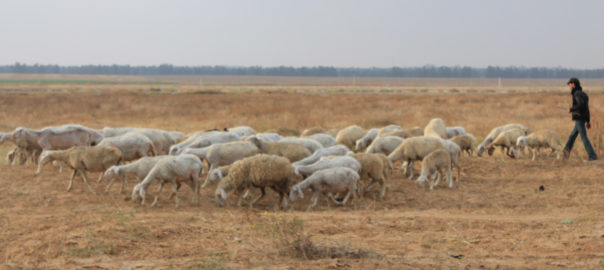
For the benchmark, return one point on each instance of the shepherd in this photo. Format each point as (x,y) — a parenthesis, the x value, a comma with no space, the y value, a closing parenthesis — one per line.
(580,114)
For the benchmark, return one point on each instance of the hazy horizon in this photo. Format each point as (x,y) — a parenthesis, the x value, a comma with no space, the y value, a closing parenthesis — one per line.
(310,33)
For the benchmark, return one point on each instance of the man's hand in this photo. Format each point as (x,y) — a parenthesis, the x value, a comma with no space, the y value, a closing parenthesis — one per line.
(588,125)
(568,109)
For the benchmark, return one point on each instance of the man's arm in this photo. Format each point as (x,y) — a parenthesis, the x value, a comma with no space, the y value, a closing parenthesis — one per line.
(579,105)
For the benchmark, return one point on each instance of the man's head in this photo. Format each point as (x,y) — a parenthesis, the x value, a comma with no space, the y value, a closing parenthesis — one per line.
(573,83)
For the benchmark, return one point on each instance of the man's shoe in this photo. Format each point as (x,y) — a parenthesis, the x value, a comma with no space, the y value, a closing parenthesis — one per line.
(566,154)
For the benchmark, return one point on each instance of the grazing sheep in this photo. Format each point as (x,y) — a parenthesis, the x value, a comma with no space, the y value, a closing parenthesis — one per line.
(332,162)
(266,137)
(455,152)
(399,133)
(171,169)
(465,142)
(108,132)
(83,159)
(494,133)
(455,131)
(388,129)
(58,138)
(133,145)
(260,171)
(242,131)
(337,150)
(414,148)
(324,139)
(219,173)
(362,143)
(349,135)
(432,166)
(310,144)
(290,150)
(436,128)
(384,145)
(223,154)
(506,140)
(311,131)
(327,181)
(189,139)
(416,132)
(372,170)
(206,140)
(139,169)
(540,139)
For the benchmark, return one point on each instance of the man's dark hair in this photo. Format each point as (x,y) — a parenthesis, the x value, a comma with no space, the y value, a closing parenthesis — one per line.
(574,81)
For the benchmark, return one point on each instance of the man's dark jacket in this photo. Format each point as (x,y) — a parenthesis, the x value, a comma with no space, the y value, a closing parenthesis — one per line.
(580,108)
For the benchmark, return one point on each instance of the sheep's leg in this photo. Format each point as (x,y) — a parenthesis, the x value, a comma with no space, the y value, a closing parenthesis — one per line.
(111,183)
(346,197)
(534,153)
(314,199)
(409,170)
(503,153)
(124,181)
(243,197)
(71,180)
(159,189)
(85,178)
(207,181)
(449,177)
(383,190)
(263,192)
(175,187)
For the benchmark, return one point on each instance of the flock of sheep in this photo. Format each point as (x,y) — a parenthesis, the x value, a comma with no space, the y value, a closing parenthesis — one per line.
(334,163)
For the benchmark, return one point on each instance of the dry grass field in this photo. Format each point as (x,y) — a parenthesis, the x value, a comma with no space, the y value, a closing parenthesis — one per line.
(496,217)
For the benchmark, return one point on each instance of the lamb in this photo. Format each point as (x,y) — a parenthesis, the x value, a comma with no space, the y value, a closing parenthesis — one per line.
(58,138)
(384,145)
(349,135)
(310,144)
(139,169)
(133,145)
(337,150)
(242,131)
(373,169)
(436,128)
(260,171)
(327,181)
(465,142)
(432,166)
(455,131)
(388,129)
(311,131)
(362,143)
(399,133)
(171,169)
(332,162)
(205,141)
(540,139)
(414,148)
(223,154)
(324,139)
(494,133)
(455,152)
(507,141)
(290,150)
(83,159)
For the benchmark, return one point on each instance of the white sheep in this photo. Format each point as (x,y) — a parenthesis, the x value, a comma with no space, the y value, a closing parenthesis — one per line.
(455,152)
(507,141)
(260,171)
(414,148)
(332,162)
(327,181)
(455,131)
(336,150)
(311,145)
(290,150)
(265,137)
(349,135)
(138,169)
(189,139)
(58,138)
(113,132)
(465,142)
(223,154)
(171,169)
(494,133)
(384,145)
(436,128)
(82,159)
(432,166)
(219,173)
(133,145)
(206,140)
(362,143)
(324,139)
(540,139)
(242,131)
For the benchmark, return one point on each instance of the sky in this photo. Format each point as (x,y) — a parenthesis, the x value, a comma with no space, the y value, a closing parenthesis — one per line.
(341,33)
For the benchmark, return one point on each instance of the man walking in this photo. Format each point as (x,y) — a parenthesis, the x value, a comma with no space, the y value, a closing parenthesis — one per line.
(580,114)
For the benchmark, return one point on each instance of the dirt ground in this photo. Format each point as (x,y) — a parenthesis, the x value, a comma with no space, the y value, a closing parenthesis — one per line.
(496,216)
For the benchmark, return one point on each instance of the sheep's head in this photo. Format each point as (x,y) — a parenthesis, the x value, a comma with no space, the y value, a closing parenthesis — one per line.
(18,133)
(215,174)
(481,149)
(221,196)
(359,145)
(174,150)
(521,142)
(110,173)
(422,180)
(490,150)
(295,193)
(138,192)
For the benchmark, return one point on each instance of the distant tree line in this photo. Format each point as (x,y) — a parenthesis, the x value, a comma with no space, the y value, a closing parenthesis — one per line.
(319,71)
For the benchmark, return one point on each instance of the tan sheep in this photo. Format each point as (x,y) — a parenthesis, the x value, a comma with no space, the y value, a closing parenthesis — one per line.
(540,139)
(436,128)
(398,133)
(465,142)
(260,171)
(506,140)
(433,165)
(290,150)
(83,159)
(495,132)
(414,148)
(349,135)
(374,169)
(311,131)
(416,132)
